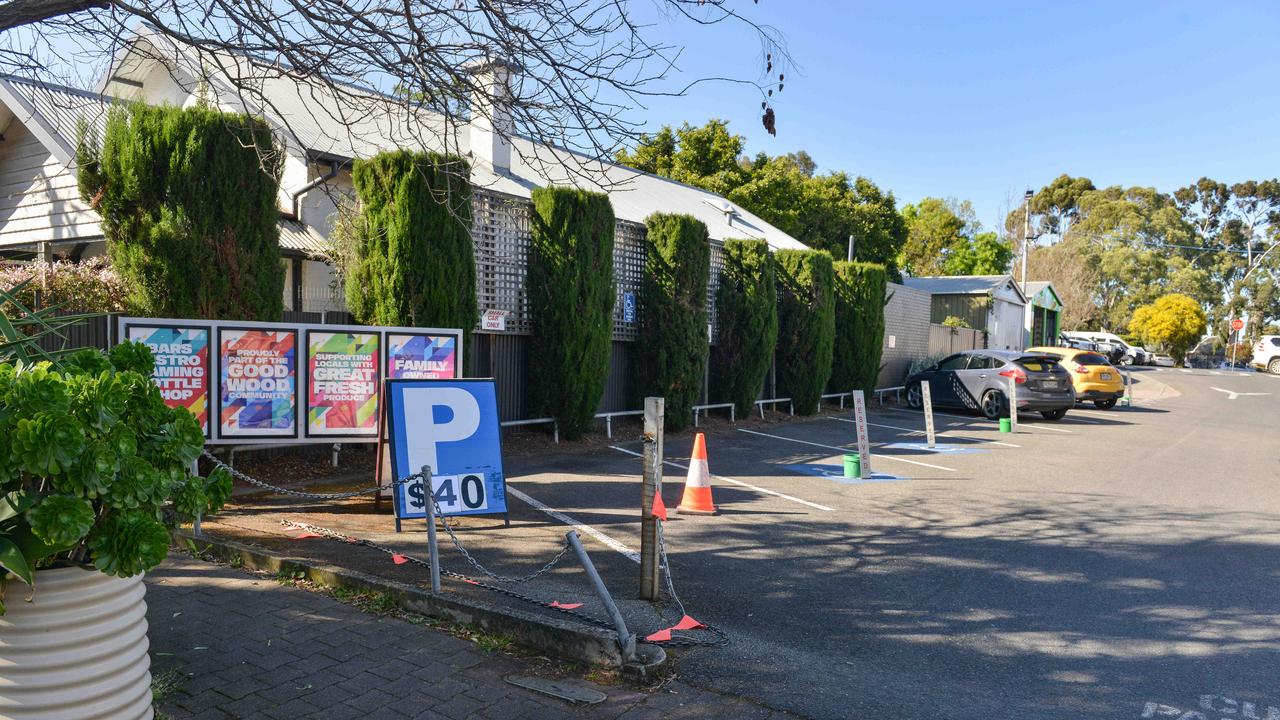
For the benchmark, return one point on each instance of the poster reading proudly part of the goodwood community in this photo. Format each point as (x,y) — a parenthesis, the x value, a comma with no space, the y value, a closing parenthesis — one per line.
(258,382)
(182,366)
(412,356)
(342,392)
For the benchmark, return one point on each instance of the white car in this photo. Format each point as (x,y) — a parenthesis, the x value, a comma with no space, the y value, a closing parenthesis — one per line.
(1266,354)
(1164,361)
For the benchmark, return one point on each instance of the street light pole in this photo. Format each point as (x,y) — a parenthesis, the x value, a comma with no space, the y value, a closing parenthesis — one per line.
(1026,235)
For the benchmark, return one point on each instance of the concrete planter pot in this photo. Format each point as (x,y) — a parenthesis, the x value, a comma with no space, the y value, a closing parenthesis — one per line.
(78,651)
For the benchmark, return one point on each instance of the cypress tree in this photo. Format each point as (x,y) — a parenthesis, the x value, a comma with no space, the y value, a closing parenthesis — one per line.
(571,296)
(672,352)
(806,325)
(860,290)
(188,204)
(746,323)
(414,262)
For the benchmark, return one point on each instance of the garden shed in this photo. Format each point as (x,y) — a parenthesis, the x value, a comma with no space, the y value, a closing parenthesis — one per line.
(1044,314)
(993,304)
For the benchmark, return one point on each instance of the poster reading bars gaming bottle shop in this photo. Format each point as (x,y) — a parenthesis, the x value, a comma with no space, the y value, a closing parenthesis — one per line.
(258,382)
(412,356)
(342,383)
(182,366)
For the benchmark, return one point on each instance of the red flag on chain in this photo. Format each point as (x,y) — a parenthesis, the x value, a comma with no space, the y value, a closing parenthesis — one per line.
(688,623)
(307,536)
(564,606)
(660,636)
(399,559)
(659,507)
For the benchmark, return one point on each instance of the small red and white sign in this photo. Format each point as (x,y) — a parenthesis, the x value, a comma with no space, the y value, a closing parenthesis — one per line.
(495,320)
(1237,324)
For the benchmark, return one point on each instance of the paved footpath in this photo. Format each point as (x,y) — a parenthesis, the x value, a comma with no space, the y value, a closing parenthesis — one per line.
(247,647)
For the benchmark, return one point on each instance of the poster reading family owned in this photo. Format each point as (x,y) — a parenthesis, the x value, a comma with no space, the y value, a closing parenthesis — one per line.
(182,366)
(342,388)
(414,356)
(258,382)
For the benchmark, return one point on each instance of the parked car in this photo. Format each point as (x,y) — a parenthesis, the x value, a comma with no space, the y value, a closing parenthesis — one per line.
(1093,378)
(1077,343)
(1118,351)
(979,380)
(1165,361)
(1266,354)
(1141,356)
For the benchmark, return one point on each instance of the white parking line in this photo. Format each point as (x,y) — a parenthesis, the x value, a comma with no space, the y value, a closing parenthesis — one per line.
(622,549)
(739,483)
(1185,370)
(974,419)
(913,431)
(845,450)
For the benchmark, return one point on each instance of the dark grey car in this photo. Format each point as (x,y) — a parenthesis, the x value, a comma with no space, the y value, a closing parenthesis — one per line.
(979,380)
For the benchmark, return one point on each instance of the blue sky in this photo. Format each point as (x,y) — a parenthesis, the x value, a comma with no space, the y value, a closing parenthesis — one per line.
(982,100)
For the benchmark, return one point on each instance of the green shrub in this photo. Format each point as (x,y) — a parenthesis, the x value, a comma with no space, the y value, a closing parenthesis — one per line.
(412,260)
(671,356)
(806,326)
(188,204)
(571,296)
(955,321)
(860,289)
(746,323)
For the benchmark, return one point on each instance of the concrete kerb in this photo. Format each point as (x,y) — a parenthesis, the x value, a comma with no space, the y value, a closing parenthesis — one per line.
(558,638)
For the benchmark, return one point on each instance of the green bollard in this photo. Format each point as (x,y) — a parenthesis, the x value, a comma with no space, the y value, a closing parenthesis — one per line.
(852,466)
(1006,425)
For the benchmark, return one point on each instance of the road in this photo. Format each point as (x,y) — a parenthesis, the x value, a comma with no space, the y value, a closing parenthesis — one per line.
(1116,564)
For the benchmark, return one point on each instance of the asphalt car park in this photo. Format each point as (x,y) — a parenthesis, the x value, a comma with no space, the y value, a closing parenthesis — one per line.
(1083,568)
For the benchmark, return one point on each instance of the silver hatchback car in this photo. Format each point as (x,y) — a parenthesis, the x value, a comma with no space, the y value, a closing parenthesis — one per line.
(979,380)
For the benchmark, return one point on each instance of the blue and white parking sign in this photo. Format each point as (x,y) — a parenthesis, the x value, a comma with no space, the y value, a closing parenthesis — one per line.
(451,426)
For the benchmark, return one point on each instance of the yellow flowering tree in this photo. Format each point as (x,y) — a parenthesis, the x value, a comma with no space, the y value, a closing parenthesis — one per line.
(1175,321)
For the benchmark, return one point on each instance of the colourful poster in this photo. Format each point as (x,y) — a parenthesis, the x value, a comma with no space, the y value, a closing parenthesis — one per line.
(342,383)
(182,366)
(421,357)
(258,381)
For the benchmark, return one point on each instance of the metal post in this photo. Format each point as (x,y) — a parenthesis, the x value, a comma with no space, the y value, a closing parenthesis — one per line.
(860,426)
(433,551)
(626,640)
(850,248)
(195,522)
(1013,403)
(1026,237)
(927,396)
(651,484)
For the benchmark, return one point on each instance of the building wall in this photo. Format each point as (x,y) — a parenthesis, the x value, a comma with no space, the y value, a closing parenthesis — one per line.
(906,332)
(970,308)
(39,200)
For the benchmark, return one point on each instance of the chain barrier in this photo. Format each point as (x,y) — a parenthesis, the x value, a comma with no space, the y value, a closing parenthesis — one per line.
(719,636)
(335,535)
(299,493)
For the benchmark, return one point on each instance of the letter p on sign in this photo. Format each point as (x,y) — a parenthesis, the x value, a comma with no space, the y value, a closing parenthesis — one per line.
(447,414)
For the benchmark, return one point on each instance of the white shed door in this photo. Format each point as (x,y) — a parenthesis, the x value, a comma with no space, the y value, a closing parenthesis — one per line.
(1006,332)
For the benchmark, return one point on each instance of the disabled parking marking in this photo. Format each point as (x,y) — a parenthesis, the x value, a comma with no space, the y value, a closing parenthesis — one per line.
(913,431)
(609,542)
(846,450)
(940,448)
(836,472)
(749,486)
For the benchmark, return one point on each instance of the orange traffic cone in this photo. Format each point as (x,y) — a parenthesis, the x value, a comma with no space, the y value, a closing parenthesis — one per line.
(697,488)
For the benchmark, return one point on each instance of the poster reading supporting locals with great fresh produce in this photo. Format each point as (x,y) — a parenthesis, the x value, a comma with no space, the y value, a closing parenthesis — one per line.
(421,357)
(342,383)
(182,366)
(258,382)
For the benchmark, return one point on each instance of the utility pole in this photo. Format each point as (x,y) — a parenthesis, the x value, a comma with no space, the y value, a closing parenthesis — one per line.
(1026,235)
(850,248)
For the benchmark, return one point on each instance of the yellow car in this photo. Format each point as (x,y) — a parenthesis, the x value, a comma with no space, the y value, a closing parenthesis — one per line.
(1093,377)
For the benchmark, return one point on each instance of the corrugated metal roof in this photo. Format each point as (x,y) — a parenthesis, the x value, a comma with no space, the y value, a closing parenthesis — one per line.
(958,284)
(62,110)
(303,238)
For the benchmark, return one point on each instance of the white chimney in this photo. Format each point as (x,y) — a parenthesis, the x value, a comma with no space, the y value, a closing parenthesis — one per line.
(491,121)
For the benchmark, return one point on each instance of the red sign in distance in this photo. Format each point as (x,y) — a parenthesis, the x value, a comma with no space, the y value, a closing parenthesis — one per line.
(1237,324)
